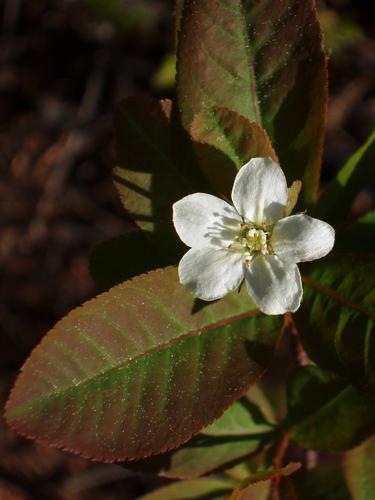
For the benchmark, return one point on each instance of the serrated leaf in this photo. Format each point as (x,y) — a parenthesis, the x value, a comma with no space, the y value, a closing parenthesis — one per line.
(272,473)
(336,200)
(140,369)
(224,142)
(155,168)
(195,488)
(359,470)
(246,489)
(337,317)
(265,61)
(257,491)
(325,413)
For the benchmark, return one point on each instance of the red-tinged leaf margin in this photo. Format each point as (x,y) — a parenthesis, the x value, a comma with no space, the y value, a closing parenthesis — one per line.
(236,308)
(261,477)
(224,141)
(266,61)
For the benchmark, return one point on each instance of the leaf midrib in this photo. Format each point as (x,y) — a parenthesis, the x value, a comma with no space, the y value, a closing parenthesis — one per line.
(341,299)
(129,362)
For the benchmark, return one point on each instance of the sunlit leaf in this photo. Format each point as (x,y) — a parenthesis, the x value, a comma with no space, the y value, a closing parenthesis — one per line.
(265,61)
(359,469)
(140,369)
(325,413)
(224,142)
(337,199)
(337,317)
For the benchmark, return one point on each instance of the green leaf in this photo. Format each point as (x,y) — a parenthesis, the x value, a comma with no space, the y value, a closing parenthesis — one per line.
(224,142)
(359,237)
(336,319)
(336,200)
(124,257)
(194,488)
(359,470)
(201,455)
(257,491)
(156,167)
(239,432)
(241,419)
(265,61)
(325,413)
(246,490)
(140,369)
(164,77)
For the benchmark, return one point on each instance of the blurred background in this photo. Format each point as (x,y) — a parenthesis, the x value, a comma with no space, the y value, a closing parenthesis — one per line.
(64,66)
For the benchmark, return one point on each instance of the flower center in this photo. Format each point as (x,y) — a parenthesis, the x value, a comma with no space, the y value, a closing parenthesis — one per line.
(252,240)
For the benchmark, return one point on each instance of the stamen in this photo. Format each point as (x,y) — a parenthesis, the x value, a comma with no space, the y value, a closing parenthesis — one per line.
(253,240)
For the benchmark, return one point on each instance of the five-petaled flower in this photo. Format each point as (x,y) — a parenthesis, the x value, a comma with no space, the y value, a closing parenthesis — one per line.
(251,241)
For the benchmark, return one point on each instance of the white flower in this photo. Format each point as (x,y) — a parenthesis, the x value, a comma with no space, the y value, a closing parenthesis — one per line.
(250,241)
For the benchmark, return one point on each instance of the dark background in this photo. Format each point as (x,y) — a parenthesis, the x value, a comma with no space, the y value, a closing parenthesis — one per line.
(64,65)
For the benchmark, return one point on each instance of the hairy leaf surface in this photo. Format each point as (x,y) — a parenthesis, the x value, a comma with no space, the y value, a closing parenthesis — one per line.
(265,61)
(239,432)
(337,317)
(224,142)
(140,369)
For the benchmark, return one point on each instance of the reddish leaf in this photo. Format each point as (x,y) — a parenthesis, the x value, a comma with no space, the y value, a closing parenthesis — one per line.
(265,61)
(224,142)
(140,369)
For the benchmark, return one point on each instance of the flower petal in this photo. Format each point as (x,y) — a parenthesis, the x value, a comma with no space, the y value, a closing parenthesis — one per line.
(274,285)
(301,238)
(211,273)
(260,192)
(203,220)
